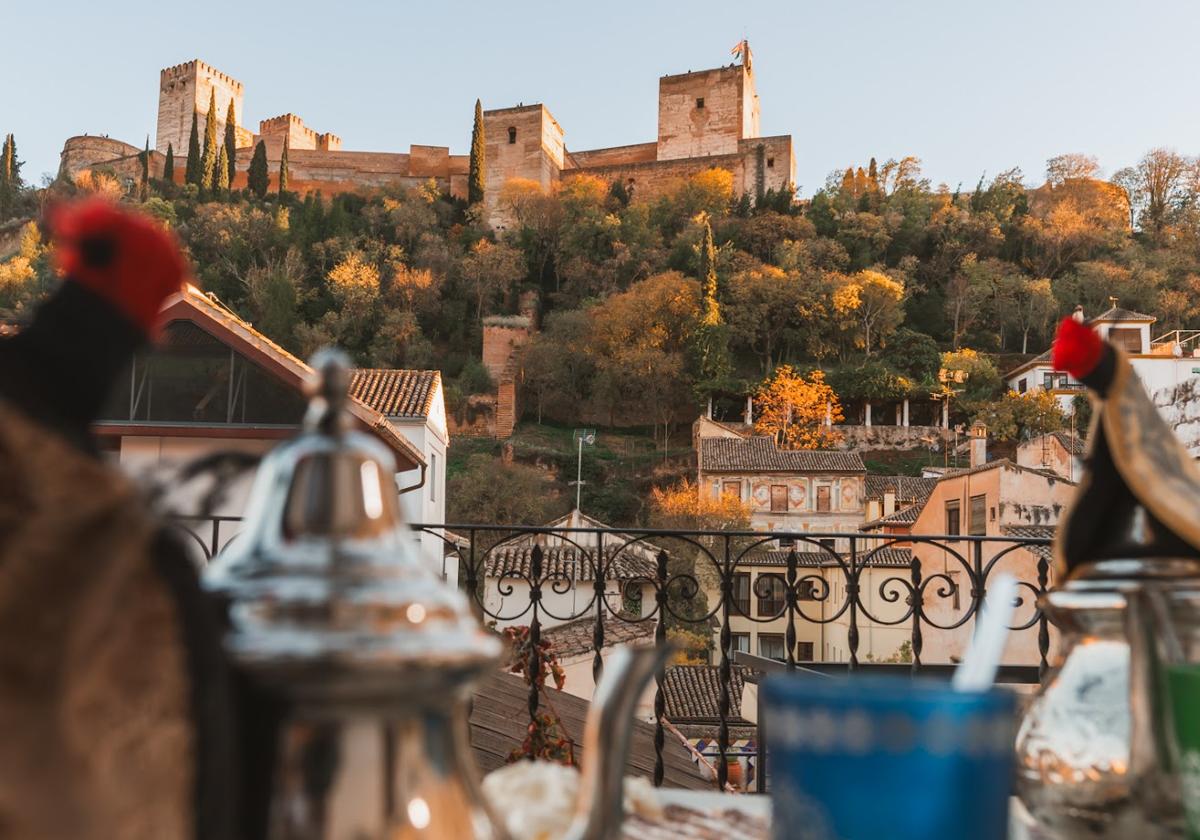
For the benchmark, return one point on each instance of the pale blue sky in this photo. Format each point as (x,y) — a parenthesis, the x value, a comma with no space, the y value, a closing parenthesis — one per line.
(966,86)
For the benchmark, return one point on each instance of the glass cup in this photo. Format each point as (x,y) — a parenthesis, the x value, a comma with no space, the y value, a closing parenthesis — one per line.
(862,758)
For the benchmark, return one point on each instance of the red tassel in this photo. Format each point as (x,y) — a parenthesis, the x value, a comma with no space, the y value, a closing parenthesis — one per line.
(1077,348)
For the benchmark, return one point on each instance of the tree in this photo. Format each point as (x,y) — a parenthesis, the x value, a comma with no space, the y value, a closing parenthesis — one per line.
(710,342)
(1071,167)
(1159,186)
(1022,415)
(876,303)
(796,410)
(168,173)
(968,290)
(491,271)
(230,143)
(981,380)
(221,184)
(191,172)
(257,177)
(1025,304)
(765,303)
(476,171)
(10,175)
(283,166)
(144,177)
(487,490)
(208,163)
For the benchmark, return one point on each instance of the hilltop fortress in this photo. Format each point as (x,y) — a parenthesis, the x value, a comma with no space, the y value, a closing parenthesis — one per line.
(708,118)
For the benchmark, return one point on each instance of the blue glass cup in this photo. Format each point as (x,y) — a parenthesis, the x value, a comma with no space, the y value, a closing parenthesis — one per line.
(865,758)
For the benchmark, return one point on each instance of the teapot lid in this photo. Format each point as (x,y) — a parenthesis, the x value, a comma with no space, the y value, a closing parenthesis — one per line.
(326,590)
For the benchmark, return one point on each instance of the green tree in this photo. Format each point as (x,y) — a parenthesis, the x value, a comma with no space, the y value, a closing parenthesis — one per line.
(477,169)
(258,177)
(221,184)
(168,173)
(1015,415)
(144,177)
(491,271)
(283,166)
(208,163)
(10,175)
(191,172)
(230,143)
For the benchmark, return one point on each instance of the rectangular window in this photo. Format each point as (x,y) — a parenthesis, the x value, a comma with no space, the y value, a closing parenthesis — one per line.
(953,520)
(787,542)
(770,646)
(1048,381)
(433,474)
(740,642)
(699,101)
(1022,386)
(741,593)
(779,498)
(806,591)
(512,135)
(770,604)
(828,542)
(977,519)
(732,488)
(823,498)
(804,651)
(1129,340)
(770,163)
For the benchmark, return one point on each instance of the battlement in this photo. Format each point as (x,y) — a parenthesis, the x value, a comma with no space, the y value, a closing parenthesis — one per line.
(196,66)
(694,74)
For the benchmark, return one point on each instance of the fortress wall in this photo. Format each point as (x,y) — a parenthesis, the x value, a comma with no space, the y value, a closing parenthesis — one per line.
(187,88)
(615,156)
(122,159)
(686,130)
(523,142)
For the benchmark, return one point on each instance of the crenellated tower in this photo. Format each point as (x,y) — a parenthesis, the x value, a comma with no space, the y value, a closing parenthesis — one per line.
(187,88)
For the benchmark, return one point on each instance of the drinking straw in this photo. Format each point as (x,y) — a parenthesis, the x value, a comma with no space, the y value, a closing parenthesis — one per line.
(978,669)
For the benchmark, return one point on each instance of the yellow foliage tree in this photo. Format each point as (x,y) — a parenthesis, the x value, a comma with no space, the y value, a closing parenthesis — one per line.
(354,277)
(687,507)
(797,410)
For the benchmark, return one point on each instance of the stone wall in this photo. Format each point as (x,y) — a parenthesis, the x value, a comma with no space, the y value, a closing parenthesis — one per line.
(705,113)
(501,343)
(186,89)
(855,438)
(524,142)
(615,156)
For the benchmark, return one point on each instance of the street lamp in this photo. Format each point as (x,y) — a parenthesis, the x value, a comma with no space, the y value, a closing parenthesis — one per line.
(948,378)
(582,436)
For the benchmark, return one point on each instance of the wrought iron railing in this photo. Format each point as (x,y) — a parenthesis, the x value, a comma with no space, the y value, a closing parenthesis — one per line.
(921,585)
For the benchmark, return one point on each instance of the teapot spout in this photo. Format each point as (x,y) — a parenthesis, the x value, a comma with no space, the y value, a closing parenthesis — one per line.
(607,732)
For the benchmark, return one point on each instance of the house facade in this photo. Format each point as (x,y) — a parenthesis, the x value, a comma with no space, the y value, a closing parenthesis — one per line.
(1168,366)
(1058,452)
(212,383)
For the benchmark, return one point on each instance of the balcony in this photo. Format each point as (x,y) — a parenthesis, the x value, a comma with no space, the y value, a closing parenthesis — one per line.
(646,582)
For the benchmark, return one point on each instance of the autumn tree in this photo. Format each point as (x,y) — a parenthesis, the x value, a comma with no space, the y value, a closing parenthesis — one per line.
(710,341)
(1014,415)
(1160,185)
(765,304)
(797,410)
(875,302)
(476,170)
(1071,167)
(258,178)
(491,271)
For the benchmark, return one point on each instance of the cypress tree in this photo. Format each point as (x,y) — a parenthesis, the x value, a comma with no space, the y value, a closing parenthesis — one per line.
(221,181)
(191,171)
(144,180)
(208,164)
(231,141)
(283,166)
(257,178)
(476,172)
(169,167)
(7,163)
(711,347)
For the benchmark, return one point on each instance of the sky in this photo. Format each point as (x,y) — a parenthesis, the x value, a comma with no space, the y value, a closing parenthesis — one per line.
(969,87)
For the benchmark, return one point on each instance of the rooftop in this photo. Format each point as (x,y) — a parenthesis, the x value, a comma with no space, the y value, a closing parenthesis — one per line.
(693,693)
(906,487)
(566,562)
(1116,313)
(575,638)
(396,393)
(888,557)
(760,454)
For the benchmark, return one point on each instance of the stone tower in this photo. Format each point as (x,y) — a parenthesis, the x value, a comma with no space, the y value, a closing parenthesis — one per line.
(185,88)
(707,112)
(522,142)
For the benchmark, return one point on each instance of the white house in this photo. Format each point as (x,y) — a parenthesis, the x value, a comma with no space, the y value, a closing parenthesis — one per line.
(212,383)
(1168,365)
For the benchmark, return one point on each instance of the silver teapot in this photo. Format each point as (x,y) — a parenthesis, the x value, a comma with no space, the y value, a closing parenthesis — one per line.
(1095,755)
(373,655)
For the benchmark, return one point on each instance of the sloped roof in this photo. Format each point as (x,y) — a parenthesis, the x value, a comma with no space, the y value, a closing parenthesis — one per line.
(577,637)
(760,454)
(1116,313)
(1035,532)
(906,487)
(693,693)
(905,516)
(1007,464)
(500,722)
(1072,443)
(396,393)
(890,557)
(192,304)
(567,562)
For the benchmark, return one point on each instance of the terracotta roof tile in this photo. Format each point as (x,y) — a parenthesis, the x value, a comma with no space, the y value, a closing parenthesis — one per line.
(567,562)
(575,638)
(906,487)
(1072,443)
(396,393)
(1035,532)
(760,454)
(1116,313)
(889,557)
(693,693)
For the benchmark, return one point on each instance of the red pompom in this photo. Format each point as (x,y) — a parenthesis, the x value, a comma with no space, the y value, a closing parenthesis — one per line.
(126,258)
(1077,348)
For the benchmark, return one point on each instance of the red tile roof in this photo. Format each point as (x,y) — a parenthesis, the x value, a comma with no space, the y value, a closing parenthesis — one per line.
(760,454)
(396,393)
(693,693)
(576,638)
(568,563)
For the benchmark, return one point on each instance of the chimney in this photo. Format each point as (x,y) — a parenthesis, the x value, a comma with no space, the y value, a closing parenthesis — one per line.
(889,502)
(1077,315)
(978,444)
(748,415)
